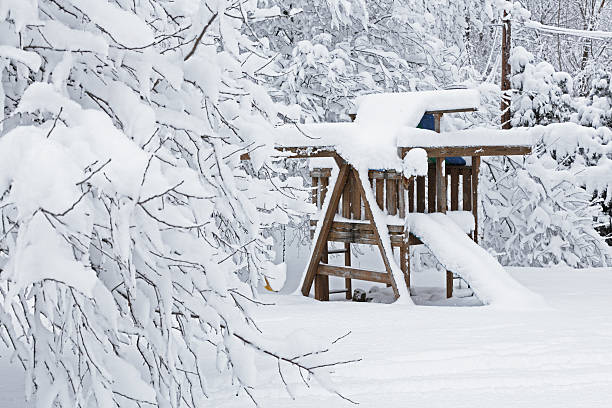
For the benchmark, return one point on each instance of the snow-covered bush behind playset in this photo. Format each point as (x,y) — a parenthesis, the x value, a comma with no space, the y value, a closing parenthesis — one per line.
(540,210)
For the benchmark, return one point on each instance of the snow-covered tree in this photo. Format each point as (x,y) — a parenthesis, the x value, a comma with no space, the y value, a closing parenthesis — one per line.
(325,61)
(596,111)
(131,236)
(541,95)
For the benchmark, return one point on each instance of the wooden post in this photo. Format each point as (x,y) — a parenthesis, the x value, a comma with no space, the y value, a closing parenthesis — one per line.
(356,202)
(315,192)
(321,288)
(431,188)
(410,187)
(454,176)
(467,189)
(347,262)
(322,281)
(441,197)
(380,193)
(405,259)
(320,247)
(506,71)
(391,195)
(401,197)
(346,198)
(475,173)
(323,190)
(420,188)
(449,284)
(437,120)
(356,212)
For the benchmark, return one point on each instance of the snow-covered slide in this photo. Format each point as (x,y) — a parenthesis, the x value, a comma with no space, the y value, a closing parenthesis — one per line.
(462,256)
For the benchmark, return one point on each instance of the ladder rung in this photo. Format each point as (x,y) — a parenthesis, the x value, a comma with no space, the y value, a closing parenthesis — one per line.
(337,251)
(331,292)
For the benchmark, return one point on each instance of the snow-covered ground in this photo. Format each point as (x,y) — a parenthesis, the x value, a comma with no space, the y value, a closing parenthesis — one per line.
(427,356)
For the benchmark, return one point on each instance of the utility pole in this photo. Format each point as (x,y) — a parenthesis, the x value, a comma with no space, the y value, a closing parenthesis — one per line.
(506,70)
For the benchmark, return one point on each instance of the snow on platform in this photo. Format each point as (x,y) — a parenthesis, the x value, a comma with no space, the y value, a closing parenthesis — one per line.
(371,141)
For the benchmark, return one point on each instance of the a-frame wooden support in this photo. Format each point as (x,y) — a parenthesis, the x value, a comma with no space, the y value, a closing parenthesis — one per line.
(319,272)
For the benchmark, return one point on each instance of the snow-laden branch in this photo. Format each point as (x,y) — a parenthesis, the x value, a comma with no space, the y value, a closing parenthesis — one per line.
(594,34)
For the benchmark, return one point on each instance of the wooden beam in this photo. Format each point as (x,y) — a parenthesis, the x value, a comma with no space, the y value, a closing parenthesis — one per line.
(438,112)
(303,152)
(300,152)
(320,172)
(385,174)
(363,233)
(326,223)
(352,273)
(458,151)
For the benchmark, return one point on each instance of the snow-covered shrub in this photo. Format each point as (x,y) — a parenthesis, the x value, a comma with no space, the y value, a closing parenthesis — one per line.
(131,236)
(540,210)
(541,95)
(536,215)
(597,109)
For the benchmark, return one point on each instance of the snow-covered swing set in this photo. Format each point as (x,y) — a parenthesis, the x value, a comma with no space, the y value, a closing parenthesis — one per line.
(387,194)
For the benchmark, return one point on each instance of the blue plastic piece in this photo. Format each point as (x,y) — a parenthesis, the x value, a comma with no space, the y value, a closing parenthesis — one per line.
(427,122)
(458,161)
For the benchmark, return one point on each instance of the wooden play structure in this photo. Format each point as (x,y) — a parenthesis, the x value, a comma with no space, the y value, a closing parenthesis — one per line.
(348,207)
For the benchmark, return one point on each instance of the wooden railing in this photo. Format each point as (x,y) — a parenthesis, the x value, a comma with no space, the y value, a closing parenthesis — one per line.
(397,195)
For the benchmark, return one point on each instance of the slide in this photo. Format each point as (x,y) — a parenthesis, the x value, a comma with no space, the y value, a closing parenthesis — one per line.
(459,254)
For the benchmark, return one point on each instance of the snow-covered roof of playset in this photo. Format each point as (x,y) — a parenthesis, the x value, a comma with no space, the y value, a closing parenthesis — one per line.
(386,122)
(407,108)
